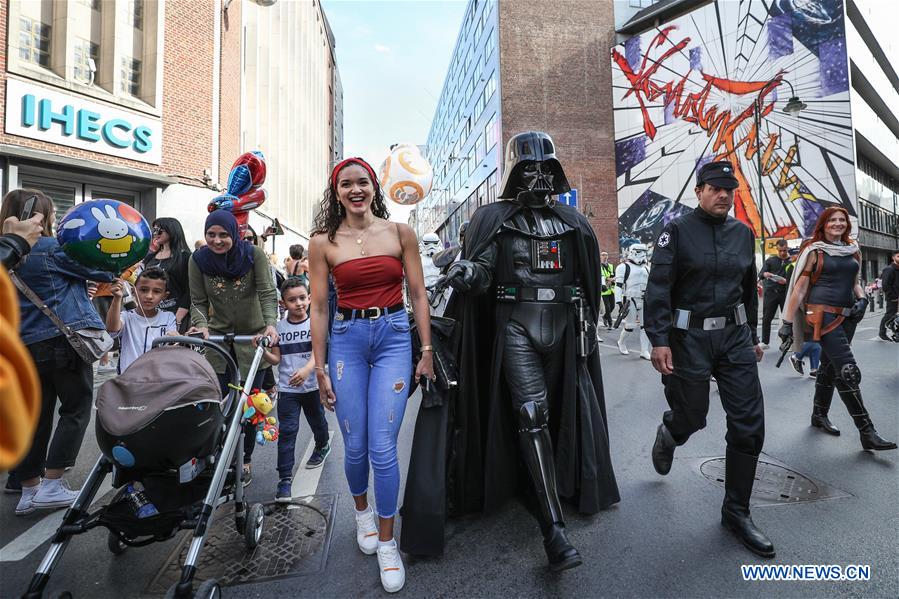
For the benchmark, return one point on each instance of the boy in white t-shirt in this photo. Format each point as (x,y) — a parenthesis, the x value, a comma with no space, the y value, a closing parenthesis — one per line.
(297,385)
(137,328)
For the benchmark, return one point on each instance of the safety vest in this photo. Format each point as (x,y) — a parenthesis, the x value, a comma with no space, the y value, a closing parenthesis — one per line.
(608,270)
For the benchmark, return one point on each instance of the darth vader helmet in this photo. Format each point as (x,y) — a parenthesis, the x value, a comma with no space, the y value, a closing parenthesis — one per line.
(532,172)
(636,254)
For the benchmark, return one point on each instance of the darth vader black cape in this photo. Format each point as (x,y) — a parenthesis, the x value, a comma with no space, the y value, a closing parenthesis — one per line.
(465,449)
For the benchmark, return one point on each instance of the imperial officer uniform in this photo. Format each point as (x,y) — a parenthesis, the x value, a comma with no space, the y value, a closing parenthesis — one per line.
(701,303)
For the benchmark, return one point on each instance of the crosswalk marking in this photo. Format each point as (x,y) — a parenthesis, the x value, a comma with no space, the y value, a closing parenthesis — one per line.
(305,482)
(42,531)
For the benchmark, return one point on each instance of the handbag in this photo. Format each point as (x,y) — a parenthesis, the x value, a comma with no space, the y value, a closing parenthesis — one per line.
(90,344)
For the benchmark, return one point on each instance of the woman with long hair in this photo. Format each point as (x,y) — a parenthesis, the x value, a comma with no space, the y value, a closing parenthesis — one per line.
(61,283)
(172,254)
(370,354)
(826,302)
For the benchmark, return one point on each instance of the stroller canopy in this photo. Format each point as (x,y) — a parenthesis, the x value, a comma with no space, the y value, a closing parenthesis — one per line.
(165,378)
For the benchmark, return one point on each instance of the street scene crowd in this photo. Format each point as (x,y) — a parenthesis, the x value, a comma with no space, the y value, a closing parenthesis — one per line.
(348,326)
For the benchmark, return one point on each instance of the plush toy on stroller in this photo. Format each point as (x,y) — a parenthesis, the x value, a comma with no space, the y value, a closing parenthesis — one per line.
(173,446)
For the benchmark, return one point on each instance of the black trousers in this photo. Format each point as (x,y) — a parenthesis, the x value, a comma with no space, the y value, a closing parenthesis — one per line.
(889,312)
(532,373)
(727,354)
(771,301)
(608,302)
(67,378)
(836,351)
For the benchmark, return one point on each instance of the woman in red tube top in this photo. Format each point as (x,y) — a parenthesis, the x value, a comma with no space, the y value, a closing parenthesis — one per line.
(367,378)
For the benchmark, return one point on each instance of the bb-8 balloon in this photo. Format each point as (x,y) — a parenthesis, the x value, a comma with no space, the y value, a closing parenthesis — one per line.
(406,176)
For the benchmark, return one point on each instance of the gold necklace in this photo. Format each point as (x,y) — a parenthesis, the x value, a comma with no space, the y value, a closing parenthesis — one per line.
(360,240)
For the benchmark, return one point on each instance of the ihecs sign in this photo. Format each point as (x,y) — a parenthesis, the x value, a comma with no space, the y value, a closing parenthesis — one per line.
(49,115)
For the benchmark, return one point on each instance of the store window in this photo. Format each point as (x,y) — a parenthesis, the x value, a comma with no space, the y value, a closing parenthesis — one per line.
(34,41)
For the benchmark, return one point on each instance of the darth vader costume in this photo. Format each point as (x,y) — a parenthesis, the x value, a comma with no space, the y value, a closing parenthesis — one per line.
(529,410)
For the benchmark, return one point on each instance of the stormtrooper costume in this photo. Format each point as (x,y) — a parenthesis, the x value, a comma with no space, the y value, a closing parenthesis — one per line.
(631,278)
(428,246)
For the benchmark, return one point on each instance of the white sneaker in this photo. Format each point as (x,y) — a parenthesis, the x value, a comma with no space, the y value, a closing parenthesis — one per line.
(367,531)
(645,355)
(622,348)
(54,493)
(393,574)
(764,345)
(26,501)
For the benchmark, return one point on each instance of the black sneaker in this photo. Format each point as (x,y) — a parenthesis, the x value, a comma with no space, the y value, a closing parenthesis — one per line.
(797,364)
(318,457)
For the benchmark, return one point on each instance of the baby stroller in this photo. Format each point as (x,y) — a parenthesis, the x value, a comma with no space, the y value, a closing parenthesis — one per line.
(164,423)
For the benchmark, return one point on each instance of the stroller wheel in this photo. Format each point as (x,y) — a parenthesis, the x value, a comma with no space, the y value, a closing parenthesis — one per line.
(114,544)
(253,531)
(208,589)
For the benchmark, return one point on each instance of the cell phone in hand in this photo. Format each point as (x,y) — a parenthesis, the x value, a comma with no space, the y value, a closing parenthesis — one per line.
(197,335)
(28,208)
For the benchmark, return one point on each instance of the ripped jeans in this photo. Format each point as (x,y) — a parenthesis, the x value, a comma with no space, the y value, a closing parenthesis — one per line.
(370,365)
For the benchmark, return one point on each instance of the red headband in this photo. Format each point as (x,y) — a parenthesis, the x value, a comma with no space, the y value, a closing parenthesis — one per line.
(340,166)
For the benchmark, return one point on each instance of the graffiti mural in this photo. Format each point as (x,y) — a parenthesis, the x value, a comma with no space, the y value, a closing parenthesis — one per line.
(693,90)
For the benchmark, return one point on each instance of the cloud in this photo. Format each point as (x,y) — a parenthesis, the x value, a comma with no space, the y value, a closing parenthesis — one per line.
(382,48)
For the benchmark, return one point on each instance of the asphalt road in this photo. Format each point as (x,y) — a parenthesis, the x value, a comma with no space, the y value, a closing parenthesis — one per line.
(663,540)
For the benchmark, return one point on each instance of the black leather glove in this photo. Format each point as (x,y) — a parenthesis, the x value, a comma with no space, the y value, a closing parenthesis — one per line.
(858,309)
(786,332)
(461,275)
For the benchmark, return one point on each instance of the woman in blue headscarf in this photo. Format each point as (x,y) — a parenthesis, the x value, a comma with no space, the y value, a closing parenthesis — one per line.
(232,291)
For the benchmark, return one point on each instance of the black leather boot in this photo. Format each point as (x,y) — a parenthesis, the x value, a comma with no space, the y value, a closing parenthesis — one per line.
(536,449)
(852,397)
(822,401)
(663,450)
(739,476)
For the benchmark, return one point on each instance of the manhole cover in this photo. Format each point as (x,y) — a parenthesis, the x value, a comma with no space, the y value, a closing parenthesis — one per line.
(295,541)
(775,483)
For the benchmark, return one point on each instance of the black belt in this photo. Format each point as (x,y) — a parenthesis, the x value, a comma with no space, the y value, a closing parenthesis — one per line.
(370,313)
(735,316)
(516,293)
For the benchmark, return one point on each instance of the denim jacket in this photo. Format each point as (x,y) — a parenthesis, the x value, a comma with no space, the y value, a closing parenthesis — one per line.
(62,284)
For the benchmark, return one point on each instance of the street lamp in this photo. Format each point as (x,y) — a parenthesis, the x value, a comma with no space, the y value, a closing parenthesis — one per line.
(794,107)
(794,104)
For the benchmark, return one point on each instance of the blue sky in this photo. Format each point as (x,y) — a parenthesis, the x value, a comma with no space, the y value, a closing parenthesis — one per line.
(393,57)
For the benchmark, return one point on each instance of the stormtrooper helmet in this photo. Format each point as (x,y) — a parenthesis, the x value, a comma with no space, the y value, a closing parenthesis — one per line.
(637,253)
(430,244)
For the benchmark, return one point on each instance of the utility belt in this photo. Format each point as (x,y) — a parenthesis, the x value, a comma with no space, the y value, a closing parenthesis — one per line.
(814,317)
(565,294)
(369,313)
(685,319)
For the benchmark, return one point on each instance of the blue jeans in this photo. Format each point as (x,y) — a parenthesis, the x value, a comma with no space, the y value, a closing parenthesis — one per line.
(370,365)
(812,351)
(289,407)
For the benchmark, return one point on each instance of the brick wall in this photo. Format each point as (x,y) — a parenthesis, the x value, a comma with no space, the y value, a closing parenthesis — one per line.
(555,76)
(187,93)
(229,127)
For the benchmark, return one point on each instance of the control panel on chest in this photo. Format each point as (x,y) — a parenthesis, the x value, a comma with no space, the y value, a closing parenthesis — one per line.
(538,240)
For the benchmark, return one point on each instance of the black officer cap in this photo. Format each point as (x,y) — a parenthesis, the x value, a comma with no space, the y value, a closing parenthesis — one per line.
(720,174)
